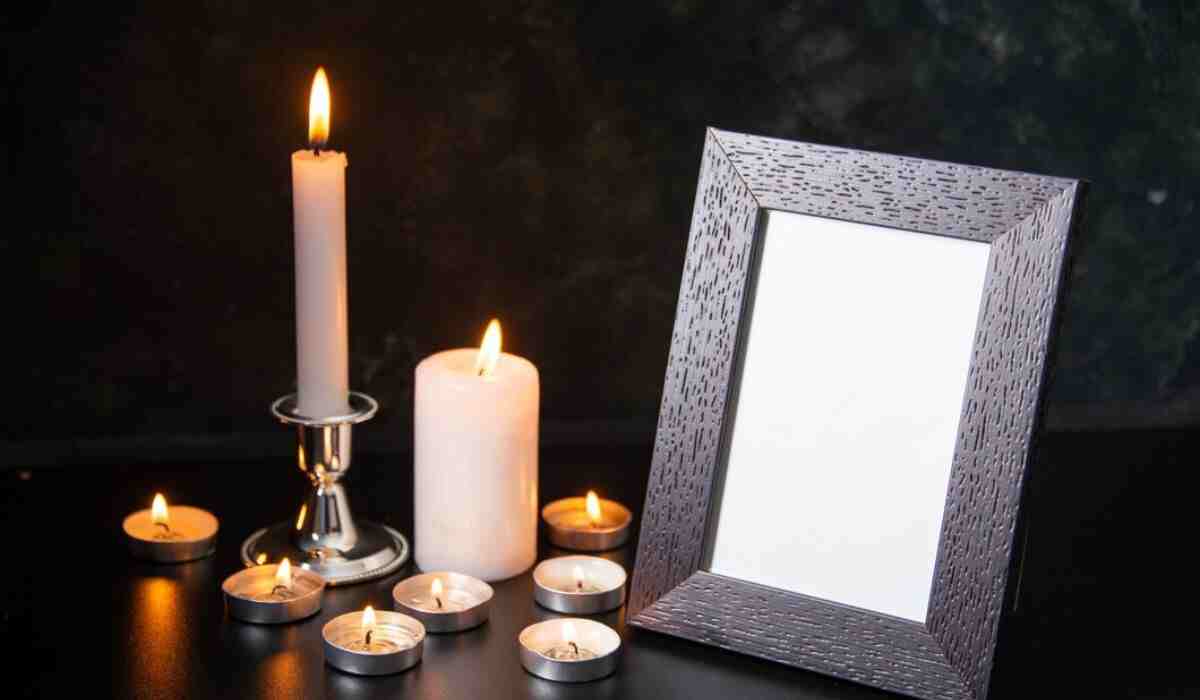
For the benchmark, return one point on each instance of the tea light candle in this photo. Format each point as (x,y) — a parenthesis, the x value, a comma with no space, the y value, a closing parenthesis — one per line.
(569,649)
(444,601)
(273,593)
(177,534)
(373,643)
(589,524)
(579,585)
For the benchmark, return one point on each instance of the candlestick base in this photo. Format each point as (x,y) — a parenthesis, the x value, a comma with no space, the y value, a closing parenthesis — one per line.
(325,538)
(380,551)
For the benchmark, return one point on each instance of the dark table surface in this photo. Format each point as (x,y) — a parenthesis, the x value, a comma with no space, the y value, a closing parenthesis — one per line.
(1088,621)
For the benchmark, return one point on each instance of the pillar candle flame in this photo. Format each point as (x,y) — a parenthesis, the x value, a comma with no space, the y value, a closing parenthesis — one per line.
(319,108)
(158,510)
(489,350)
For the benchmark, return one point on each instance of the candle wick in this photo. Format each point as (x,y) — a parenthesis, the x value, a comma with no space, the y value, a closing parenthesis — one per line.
(166,528)
(579,585)
(438,601)
(574,648)
(276,590)
(316,150)
(367,641)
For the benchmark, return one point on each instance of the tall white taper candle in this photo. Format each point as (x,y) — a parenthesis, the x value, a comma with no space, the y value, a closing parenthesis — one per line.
(319,210)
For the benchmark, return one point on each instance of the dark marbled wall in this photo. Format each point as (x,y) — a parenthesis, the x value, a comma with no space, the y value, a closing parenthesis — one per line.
(536,161)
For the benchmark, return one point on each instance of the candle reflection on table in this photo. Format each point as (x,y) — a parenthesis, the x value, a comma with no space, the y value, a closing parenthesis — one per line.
(158,618)
(163,616)
(282,675)
(620,555)
(612,618)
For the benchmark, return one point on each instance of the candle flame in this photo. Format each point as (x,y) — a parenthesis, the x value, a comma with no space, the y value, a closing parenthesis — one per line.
(261,558)
(283,574)
(489,350)
(580,577)
(436,588)
(300,518)
(568,632)
(158,510)
(368,618)
(593,508)
(319,107)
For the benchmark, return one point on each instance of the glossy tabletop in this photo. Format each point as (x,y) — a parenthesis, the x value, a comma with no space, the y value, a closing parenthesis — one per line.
(85,607)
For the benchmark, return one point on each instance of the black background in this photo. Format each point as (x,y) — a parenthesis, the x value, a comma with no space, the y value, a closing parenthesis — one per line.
(536,162)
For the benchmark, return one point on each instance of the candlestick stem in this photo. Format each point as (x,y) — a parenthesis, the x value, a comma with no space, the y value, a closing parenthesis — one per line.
(328,540)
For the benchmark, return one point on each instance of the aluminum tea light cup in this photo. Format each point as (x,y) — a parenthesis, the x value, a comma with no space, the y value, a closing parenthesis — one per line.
(579,585)
(170,536)
(373,643)
(273,593)
(569,650)
(589,524)
(444,601)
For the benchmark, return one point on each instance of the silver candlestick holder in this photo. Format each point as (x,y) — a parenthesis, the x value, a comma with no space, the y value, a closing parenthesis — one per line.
(325,538)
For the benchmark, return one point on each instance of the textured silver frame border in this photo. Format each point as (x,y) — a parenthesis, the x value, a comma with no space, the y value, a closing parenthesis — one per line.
(1029,221)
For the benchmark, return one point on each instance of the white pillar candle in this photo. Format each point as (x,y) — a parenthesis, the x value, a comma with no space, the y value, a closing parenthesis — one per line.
(319,210)
(475,455)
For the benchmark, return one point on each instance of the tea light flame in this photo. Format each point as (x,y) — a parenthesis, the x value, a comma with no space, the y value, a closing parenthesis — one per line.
(261,558)
(569,637)
(580,577)
(593,508)
(300,518)
(435,589)
(368,624)
(489,350)
(319,107)
(283,574)
(158,512)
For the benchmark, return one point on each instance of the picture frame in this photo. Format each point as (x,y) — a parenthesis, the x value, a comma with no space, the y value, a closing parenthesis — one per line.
(1029,223)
